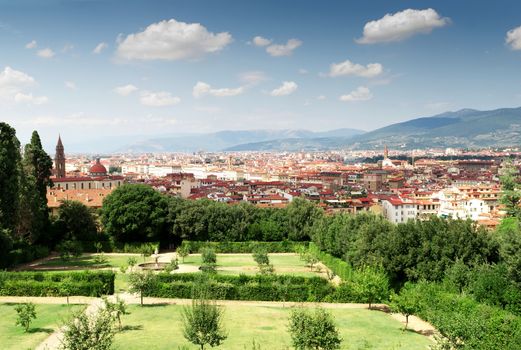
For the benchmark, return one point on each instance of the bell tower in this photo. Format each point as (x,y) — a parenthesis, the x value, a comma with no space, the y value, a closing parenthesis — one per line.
(59,160)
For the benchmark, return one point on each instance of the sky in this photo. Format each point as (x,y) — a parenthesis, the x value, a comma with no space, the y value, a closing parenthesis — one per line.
(89,69)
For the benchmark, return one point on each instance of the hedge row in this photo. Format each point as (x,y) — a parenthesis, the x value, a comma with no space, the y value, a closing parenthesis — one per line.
(86,283)
(245,247)
(244,287)
(340,267)
(118,247)
(26,253)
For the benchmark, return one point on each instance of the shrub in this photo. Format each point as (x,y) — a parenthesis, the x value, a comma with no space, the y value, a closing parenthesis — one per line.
(69,250)
(26,313)
(244,247)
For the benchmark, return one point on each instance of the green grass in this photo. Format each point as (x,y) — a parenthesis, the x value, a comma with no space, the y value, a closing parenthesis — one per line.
(49,318)
(86,261)
(244,264)
(160,327)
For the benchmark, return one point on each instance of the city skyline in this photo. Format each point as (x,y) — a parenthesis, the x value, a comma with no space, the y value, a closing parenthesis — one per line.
(90,69)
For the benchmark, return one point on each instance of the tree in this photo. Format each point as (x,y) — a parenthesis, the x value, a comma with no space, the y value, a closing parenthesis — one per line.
(183,251)
(76,221)
(37,170)
(408,302)
(509,232)
(260,255)
(203,322)
(116,309)
(313,331)
(301,216)
(94,331)
(141,282)
(511,188)
(9,177)
(371,284)
(132,261)
(135,213)
(26,313)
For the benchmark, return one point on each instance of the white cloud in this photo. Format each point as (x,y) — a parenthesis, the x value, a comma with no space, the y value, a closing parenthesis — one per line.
(20,97)
(201,89)
(46,53)
(13,86)
(75,120)
(287,88)
(321,97)
(303,71)
(172,40)
(349,68)
(260,41)
(283,50)
(401,25)
(100,47)
(31,45)
(125,90)
(252,77)
(158,99)
(361,93)
(67,48)
(514,38)
(70,85)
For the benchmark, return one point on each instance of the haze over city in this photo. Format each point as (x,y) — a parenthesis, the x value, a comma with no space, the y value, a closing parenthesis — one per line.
(95,69)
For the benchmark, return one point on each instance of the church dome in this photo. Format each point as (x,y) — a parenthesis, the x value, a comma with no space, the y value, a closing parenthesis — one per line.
(98,168)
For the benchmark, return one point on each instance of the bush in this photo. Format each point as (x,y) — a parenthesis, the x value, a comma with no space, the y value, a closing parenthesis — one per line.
(23,253)
(69,250)
(340,267)
(86,283)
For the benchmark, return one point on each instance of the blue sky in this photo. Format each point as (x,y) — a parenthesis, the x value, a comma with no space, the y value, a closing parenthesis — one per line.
(194,66)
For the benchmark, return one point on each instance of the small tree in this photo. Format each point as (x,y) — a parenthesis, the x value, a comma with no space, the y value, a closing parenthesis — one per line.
(408,302)
(310,260)
(67,287)
(172,265)
(263,261)
(132,261)
(116,309)
(208,259)
(141,282)
(89,332)
(313,331)
(371,284)
(202,322)
(146,250)
(183,251)
(26,313)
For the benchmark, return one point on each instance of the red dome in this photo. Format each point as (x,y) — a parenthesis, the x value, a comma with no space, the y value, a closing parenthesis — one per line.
(98,168)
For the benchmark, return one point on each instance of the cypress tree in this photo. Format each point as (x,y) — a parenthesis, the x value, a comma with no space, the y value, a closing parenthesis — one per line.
(9,177)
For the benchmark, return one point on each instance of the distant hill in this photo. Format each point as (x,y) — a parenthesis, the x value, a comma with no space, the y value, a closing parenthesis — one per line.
(465,128)
(226,140)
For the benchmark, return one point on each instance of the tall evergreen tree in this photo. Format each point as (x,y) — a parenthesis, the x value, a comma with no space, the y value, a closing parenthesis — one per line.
(9,177)
(37,170)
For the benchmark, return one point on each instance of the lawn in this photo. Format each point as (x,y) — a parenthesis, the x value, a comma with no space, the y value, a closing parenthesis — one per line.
(244,264)
(49,318)
(160,327)
(87,261)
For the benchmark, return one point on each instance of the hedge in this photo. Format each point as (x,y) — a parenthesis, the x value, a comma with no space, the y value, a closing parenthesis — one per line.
(245,247)
(340,267)
(118,247)
(46,284)
(26,253)
(244,287)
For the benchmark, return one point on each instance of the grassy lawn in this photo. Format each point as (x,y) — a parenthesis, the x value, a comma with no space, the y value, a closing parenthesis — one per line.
(160,327)
(49,318)
(86,261)
(244,264)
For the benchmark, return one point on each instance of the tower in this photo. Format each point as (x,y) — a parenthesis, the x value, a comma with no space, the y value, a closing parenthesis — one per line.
(386,152)
(59,160)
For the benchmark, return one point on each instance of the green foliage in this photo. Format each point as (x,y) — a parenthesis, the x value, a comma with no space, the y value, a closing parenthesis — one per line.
(76,221)
(25,314)
(89,332)
(302,215)
(69,250)
(371,285)
(183,251)
(132,261)
(511,197)
(408,302)
(9,177)
(142,283)
(313,331)
(87,283)
(203,323)
(208,260)
(172,265)
(135,213)
(100,259)
(339,267)
(116,309)
(244,247)
(509,233)
(244,287)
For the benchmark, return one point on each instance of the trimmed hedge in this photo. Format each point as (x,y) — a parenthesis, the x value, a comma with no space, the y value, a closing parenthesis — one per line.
(118,247)
(244,287)
(47,284)
(245,247)
(340,267)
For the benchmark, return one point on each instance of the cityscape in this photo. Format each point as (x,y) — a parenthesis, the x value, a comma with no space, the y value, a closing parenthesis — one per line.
(260,175)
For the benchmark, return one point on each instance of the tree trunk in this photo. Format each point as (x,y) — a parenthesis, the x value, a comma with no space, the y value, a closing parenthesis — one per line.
(141,298)
(369,305)
(406,321)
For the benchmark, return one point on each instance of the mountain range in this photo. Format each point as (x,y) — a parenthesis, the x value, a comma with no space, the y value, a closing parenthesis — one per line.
(466,128)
